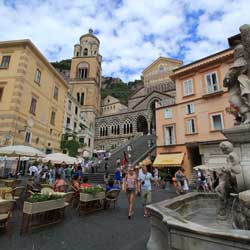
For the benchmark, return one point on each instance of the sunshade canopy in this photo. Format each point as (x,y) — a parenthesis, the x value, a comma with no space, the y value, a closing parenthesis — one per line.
(169,160)
(21,150)
(59,158)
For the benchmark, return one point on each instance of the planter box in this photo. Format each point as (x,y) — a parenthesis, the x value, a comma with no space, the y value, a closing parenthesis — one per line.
(38,207)
(90,197)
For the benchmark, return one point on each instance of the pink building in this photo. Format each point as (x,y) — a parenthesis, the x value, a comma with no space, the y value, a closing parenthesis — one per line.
(193,124)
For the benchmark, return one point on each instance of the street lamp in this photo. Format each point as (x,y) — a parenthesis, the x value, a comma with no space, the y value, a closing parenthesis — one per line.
(129,149)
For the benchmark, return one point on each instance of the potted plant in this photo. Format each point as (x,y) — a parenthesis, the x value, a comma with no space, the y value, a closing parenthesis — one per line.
(92,193)
(38,203)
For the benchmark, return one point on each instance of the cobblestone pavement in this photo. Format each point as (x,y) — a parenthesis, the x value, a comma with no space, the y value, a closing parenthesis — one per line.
(104,230)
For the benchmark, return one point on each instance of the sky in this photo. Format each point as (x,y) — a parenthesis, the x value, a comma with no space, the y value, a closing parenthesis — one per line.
(133,33)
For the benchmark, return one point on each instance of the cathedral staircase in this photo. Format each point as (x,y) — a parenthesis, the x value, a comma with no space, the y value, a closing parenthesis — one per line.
(140,150)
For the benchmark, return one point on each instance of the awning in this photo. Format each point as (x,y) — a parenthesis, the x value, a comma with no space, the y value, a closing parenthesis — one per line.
(168,160)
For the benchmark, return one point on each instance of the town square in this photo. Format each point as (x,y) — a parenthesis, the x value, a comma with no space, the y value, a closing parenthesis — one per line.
(125,125)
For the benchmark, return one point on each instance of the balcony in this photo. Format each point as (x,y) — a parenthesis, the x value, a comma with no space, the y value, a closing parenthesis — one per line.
(212,93)
(78,79)
(170,141)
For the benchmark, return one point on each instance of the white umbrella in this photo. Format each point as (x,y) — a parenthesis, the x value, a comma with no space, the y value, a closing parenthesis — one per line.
(59,158)
(21,150)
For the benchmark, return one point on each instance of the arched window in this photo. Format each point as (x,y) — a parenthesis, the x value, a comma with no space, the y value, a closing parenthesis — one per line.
(100,131)
(77,53)
(106,131)
(83,69)
(127,127)
(82,99)
(85,52)
(78,97)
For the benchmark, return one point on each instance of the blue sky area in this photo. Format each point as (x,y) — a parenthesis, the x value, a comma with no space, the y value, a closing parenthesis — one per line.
(132,33)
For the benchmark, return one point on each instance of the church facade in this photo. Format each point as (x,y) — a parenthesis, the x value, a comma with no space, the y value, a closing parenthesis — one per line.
(117,126)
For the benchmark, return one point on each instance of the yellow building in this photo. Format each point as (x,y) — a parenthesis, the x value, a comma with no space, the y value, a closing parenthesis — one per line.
(32,97)
(157,75)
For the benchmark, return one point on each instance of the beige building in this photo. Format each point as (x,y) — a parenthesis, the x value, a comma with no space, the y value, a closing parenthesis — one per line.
(85,87)
(156,75)
(112,105)
(32,97)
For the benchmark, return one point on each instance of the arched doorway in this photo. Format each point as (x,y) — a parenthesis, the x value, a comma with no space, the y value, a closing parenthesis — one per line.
(142,124)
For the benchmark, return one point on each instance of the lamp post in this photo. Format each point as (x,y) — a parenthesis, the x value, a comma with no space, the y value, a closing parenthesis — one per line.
(129,149)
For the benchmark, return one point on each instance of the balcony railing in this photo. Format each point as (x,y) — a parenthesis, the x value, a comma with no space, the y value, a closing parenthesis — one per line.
(212,92)
(170,141)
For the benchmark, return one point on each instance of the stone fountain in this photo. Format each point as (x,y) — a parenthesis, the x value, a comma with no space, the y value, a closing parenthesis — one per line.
(220,220)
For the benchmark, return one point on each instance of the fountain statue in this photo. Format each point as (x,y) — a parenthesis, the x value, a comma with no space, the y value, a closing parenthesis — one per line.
(219,220)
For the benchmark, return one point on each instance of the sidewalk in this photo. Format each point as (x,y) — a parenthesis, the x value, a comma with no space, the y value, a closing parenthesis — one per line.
(105,230)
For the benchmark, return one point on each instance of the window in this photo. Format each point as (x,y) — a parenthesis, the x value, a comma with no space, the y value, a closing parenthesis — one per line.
(161,68)
(76,110)
(212,84)
(85,52)
(69,104)
(89,142)
(27,138)
(81,140)
(168,113)
(169,135)
(56,92)
(82,99)
(216,121)
(75,125)
(188,87)
(53,118)
(38,76)
(190,123)
(1,94)
(77,53)
(83,73)
(82,70)
(5,62)
(33,106)
(68,122)
(190,108)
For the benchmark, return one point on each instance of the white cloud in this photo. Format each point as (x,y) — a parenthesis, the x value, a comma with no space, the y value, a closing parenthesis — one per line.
(132,33)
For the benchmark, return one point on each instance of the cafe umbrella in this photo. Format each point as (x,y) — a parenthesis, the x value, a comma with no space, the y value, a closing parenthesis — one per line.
(20,151)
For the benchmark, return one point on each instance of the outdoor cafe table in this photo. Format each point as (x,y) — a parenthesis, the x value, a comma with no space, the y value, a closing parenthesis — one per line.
(89,203)
(46,213)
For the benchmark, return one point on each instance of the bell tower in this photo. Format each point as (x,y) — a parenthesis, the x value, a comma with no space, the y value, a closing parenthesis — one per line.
(85,85)
(86,71)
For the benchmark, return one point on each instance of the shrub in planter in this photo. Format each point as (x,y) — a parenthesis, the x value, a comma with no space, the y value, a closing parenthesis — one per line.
(93,193)
(38,203)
